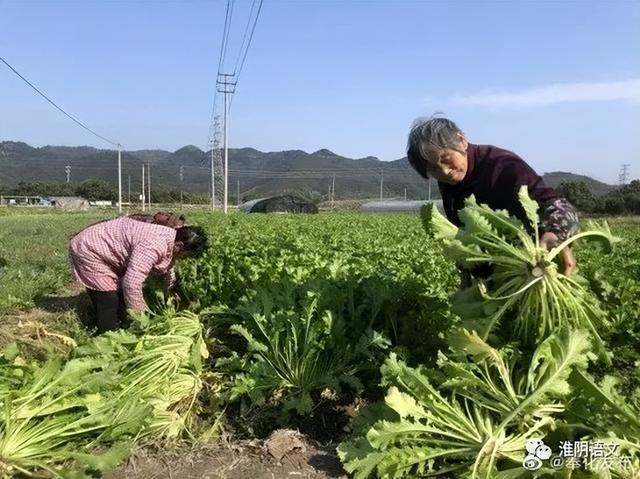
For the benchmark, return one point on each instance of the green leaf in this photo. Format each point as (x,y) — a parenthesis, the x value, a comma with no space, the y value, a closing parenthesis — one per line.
(530,207)
(403,404)
(105,461)
(434,223)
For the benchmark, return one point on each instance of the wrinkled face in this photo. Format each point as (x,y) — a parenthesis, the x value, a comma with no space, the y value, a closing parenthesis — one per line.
(447,165)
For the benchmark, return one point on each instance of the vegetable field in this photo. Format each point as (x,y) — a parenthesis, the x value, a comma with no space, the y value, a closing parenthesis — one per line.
(351,328)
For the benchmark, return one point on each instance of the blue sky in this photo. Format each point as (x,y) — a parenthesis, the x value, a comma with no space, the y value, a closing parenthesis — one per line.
(558,82)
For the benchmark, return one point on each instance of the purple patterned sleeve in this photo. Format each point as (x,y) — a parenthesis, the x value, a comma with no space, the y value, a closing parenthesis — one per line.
(560,217)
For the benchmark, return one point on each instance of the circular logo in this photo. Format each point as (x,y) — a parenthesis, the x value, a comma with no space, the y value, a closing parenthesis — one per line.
(531,463)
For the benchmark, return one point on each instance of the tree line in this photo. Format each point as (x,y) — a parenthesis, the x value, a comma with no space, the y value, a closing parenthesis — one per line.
(98,190)
(621,201)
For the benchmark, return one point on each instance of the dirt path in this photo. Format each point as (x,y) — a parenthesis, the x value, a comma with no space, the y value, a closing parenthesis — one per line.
(286,454)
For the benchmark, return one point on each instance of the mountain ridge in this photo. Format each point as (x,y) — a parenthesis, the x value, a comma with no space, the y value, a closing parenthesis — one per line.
(259,173)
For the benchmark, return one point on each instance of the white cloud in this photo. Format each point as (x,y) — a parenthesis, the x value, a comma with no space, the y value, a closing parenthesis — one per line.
(626,90)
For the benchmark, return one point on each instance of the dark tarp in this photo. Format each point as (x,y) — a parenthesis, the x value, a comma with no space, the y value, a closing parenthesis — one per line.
(279,204)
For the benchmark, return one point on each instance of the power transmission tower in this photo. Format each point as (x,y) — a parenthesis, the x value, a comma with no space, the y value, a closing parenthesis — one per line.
(226,82)
(212,171)
(623,177)
(67,170)
(215,158)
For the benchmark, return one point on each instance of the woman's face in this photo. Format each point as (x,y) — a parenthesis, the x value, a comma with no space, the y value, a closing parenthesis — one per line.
(448,165)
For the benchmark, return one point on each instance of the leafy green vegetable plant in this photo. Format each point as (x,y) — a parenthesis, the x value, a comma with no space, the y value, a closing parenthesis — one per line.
(293,352)
(479,430)
(525,280)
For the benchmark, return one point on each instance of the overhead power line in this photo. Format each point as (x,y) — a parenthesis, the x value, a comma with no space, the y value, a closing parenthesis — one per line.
(223,53)
(226,83)
(253,29)
(331,171)
(225,34)
(244,37)
(236,74)
(323,170)
(312,175)
(71,117)
(82,125)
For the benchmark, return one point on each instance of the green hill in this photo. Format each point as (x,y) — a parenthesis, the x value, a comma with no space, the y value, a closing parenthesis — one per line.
(596,187)
(259,173)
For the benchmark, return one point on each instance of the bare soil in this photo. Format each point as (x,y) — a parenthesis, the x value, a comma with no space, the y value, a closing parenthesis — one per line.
(285,454)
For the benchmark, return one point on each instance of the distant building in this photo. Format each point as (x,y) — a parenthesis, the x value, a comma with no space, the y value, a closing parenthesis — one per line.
(66,202)
(69,202)
(23,200)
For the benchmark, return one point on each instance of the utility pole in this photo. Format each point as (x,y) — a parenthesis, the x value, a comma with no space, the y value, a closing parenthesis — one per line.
(119,178)
(226,150)
(149,185)
(67,170)
(623,177)
(333,189)
(142,196)
(217,158)
(129,195)
(181,185)
(238,192)
(381,183)
(429,188)
(405,194)
(226,86)
(212,189)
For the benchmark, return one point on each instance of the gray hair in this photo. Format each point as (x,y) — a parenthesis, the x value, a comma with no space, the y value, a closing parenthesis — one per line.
(428,134)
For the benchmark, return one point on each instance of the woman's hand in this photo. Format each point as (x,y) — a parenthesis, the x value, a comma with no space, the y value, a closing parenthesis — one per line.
(550,240)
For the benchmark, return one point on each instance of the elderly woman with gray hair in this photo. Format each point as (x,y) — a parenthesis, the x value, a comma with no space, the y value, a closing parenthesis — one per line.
(437,148)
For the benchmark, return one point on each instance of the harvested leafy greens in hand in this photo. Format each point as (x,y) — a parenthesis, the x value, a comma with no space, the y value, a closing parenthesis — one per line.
(525,281)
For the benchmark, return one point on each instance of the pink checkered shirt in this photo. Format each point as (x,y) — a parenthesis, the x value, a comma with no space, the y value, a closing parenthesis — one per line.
(122,252)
